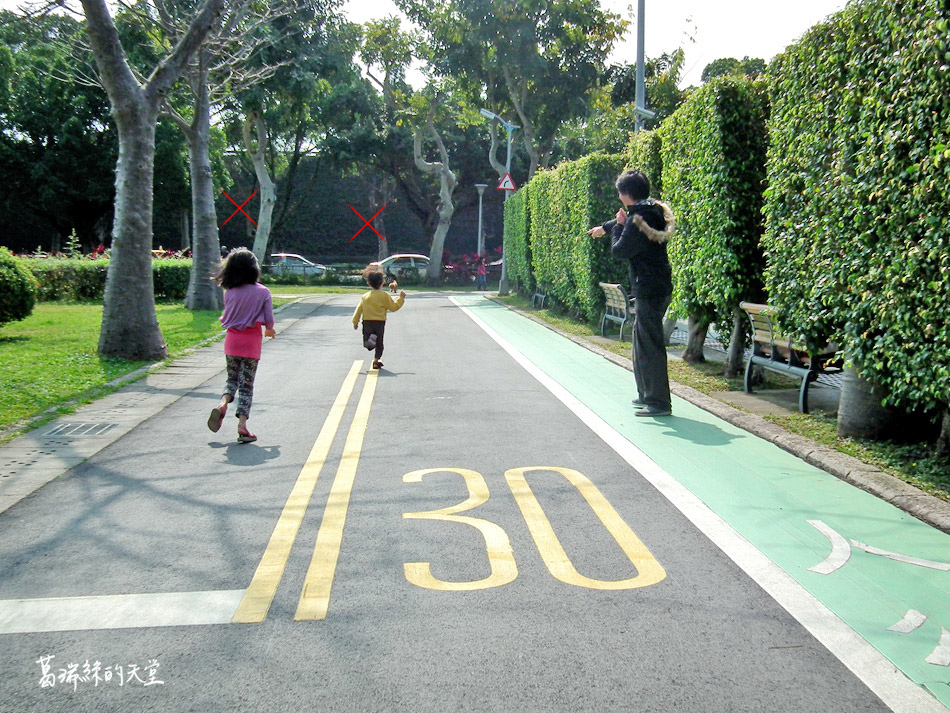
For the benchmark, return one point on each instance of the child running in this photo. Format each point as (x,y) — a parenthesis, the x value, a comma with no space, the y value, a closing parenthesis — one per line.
(247,306)
(373,307)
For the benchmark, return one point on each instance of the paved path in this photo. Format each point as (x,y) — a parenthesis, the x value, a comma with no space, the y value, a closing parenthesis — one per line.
(482,526)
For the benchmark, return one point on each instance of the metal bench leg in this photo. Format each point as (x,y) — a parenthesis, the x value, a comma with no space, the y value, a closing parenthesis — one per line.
(603,325)
(747,382)
(622,325)
(803,396)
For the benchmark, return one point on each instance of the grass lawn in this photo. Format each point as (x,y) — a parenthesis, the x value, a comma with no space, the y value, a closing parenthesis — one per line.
(914,463)
(50,357)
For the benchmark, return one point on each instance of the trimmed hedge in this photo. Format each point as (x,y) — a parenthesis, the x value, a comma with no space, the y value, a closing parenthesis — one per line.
(858,233)
(85,280)
(644,153)
(564,204)
(713,151)
(517,243)
(17,289)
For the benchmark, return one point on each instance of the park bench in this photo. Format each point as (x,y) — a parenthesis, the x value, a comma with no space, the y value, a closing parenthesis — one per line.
(540,295)
(773,350)
(618,308)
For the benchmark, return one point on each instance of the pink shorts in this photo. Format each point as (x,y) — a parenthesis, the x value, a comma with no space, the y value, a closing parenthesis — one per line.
(244,342)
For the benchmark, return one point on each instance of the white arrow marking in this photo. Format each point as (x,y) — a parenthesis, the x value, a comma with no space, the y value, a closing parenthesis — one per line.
(941,654)
(840,549)
(912,620)
(942,566)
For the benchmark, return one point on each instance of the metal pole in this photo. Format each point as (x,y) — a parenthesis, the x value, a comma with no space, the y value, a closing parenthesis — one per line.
(480,243)
(640,97)
(503,283)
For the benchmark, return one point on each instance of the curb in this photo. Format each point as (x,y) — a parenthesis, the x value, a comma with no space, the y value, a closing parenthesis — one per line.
(927,508)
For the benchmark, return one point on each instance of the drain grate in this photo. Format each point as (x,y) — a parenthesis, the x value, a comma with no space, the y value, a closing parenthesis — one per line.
(77,430)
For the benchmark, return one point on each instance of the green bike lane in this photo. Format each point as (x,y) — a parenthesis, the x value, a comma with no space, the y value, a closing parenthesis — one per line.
(881,572)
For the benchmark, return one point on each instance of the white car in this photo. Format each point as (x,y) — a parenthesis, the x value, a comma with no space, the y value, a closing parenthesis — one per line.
(404,265)
(291,264)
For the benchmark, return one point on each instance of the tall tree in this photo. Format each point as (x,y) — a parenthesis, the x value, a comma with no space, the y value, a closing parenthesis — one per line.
(546,56)
(129,325)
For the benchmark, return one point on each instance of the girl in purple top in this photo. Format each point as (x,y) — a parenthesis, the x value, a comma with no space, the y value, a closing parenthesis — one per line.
(247,306)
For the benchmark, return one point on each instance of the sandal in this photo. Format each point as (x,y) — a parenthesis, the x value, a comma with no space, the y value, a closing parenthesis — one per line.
(216,417)
(246,436)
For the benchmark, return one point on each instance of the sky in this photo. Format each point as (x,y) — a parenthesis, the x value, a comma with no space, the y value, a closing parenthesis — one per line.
(705,29)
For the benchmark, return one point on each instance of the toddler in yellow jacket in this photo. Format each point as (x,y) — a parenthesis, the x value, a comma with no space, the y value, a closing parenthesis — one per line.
(372,308)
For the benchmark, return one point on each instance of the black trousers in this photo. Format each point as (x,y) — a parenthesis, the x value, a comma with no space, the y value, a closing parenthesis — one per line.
(377,327)
(649,352)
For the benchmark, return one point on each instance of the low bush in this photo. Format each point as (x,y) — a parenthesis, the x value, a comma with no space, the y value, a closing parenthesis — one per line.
(84,280)
(17,289)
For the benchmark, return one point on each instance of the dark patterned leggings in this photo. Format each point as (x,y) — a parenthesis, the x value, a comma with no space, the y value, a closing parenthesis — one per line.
(241,372)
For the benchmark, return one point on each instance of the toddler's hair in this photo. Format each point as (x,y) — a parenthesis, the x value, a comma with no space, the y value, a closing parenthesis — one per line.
(238,268)
(373,276)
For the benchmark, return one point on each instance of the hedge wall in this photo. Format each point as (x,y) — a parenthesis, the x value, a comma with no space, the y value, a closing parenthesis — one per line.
(17,289)
(713,151)
(644,154)
(563,205)
(85,280)
(517,244)
(858,232)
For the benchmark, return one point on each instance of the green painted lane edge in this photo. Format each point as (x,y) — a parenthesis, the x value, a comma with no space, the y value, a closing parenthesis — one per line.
(769,496)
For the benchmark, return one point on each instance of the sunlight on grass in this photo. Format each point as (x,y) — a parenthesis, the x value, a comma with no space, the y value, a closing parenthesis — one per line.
(50,357)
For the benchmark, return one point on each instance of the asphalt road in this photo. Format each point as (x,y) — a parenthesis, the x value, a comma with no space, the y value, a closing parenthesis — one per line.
(573,584)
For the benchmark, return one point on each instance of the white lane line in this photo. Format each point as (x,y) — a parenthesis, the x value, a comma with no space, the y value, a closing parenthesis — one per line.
(840,549)
(941,654)
(912,621)
(118,611)
(897,691)
(907,559)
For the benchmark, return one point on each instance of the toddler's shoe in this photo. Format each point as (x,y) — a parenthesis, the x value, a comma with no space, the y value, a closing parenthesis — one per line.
(370,342)
(245,436)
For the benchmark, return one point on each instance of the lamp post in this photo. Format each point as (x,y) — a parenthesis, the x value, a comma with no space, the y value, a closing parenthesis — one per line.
(509,128)
(639,104)
(480,243)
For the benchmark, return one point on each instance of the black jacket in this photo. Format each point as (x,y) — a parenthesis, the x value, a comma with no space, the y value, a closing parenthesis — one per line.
(650,272)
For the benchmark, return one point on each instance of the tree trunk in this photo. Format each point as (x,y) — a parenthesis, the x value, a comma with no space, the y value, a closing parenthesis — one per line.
(694,353)
(203,294)
(129,325)
(380,193)
(943,440)
(434,271)
(736,344)
(185,230)
(268,189)
(669,324)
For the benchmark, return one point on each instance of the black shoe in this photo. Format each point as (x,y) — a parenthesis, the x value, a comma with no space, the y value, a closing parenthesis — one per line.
(370,342)
(653,411)
(638,402)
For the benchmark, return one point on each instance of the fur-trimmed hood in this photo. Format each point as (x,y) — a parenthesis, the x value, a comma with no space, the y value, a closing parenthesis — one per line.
(657,236)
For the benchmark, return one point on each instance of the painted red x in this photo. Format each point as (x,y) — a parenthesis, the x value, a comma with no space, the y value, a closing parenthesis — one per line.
(367,222)
(240,208)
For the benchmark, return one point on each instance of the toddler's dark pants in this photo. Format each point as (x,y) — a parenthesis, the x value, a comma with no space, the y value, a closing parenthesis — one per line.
(377,327)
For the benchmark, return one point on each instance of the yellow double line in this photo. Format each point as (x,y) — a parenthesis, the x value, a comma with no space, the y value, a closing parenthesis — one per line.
(315,599)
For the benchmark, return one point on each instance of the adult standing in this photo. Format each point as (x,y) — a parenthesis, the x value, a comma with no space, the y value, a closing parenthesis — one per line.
(639,235)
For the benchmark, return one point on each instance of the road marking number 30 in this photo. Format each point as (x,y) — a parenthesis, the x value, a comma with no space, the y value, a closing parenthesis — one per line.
(500,555)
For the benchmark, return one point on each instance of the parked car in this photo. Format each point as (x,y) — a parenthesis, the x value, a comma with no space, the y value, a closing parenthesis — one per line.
(291,264)
(404,265)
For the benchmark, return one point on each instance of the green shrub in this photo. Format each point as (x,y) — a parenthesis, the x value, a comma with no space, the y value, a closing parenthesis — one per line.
(713,158)
(64,279)
(858,233)
(517,242)
(170,278)
(17,289)
(644,153)
(564,204)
